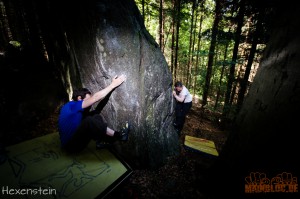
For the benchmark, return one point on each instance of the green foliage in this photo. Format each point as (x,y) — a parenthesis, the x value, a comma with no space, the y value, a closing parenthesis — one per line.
(187,57)
(15,44)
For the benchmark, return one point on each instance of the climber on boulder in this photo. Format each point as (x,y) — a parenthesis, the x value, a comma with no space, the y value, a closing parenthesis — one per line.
(77,125)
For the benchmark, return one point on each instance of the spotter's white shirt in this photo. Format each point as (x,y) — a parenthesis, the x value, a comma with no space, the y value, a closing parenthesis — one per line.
(185,92)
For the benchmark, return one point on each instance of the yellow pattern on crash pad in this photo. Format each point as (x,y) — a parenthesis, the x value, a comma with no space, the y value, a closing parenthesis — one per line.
(41,164)
(200,144)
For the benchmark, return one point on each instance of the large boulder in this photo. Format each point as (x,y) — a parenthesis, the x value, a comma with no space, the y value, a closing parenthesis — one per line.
(108,38)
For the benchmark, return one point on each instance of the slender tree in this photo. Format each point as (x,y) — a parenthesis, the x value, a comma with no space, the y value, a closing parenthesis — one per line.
(221,76)
(193,50)
(161,25)
(198,49)
(190,43)
(178,9)
(218,16)
(244,81)
(240,21)
(173,37)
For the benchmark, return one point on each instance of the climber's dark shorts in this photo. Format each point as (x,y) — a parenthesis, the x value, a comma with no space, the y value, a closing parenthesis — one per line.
(91,127)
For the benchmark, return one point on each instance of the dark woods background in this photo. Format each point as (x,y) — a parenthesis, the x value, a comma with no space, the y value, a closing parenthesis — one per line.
(31,86)
(35,55)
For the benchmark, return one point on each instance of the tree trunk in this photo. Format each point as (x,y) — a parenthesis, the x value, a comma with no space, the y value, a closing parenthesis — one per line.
(212,51)
(178,10)
(198,48)
(190,45)
(244,81)
(161,25)
(173,38)
(240,21)
(221,76)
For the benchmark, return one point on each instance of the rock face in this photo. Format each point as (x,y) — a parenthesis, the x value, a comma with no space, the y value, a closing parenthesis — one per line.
(265,139)
(66,46)
(270,113)
(108,38)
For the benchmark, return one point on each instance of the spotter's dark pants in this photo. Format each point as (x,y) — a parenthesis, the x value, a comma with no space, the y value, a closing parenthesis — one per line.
(181,111)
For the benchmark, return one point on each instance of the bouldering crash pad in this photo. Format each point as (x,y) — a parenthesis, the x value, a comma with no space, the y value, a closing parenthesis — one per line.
(200,145)
(38,168)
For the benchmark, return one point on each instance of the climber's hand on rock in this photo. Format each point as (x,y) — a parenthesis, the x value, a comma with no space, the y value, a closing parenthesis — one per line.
(118,80)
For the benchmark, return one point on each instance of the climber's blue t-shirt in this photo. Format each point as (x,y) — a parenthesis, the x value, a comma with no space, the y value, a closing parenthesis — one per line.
(69,119)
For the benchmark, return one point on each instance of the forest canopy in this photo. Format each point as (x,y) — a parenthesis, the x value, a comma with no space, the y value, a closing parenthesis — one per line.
(214,46)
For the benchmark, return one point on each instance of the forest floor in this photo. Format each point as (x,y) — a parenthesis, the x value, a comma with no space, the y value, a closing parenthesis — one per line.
(180,176)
